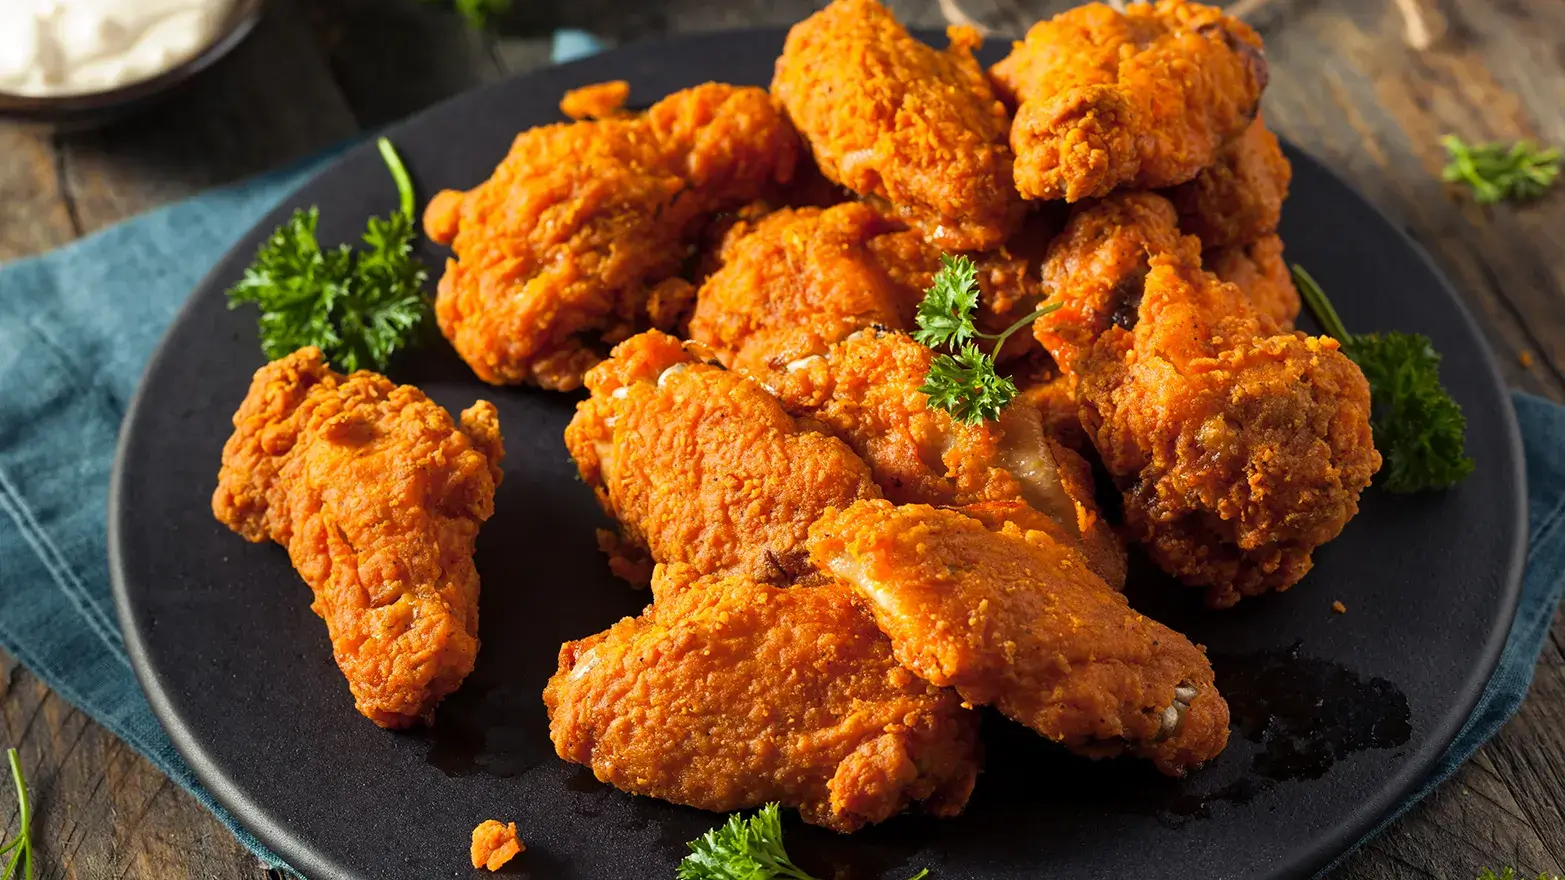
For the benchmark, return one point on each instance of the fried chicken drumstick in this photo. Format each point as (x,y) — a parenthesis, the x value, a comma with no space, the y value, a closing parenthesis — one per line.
(1144,97)
(917,130)
(576,241)
(703,466)
(1011,618)
(726,694)
(1239,448)
(378,497)
(865,390)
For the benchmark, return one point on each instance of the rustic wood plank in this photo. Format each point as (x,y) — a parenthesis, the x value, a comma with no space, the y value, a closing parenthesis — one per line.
(272,101)
(34,215)
(101,810)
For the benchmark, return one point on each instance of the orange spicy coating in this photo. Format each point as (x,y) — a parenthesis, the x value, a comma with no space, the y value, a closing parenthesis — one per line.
(378,496)
(890,118)
(726,694)
(1143,98)
(576,241)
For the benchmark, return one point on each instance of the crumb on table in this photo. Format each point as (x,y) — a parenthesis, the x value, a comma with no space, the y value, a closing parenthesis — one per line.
(1525,357)
(1339,608)
(494,844)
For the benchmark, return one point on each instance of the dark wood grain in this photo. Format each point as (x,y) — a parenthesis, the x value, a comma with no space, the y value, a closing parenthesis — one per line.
(1346,86)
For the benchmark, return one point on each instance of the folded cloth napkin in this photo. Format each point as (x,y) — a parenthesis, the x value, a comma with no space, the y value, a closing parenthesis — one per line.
(76,326)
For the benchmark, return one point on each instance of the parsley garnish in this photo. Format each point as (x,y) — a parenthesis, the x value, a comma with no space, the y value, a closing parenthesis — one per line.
(478,12)
(1510,874)
(21,849)
(1495,171)
(746,849)
(1419,429)
(358,308)
(966,383)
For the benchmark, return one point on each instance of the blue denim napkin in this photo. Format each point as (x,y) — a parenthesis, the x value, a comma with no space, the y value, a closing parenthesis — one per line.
(76,327)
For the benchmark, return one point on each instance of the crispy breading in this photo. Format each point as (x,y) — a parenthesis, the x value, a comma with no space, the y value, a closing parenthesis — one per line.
(494,844)
(1239,447)
(701,465)
(1237,199)
(787,284)
(596,101)
(726,694)
(378,496)
(1011,618)
(865,390)
(1259,270)
(890,118)
(575,242)
(796,281)
(1143,98)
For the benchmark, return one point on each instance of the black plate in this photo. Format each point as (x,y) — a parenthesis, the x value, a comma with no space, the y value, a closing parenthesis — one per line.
(1337,716)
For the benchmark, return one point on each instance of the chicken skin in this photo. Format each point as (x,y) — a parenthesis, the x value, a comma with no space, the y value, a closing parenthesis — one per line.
(865,390)
(726,694)
(378,497)
(1238,199)
(917,130)
(1144,97)
(790,283)
(575,242)
(703,466)
(1239,448)
(1011,618)
(1261,273)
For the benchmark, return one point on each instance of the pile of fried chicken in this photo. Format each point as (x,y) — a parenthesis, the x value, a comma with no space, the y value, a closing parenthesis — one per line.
(840,573)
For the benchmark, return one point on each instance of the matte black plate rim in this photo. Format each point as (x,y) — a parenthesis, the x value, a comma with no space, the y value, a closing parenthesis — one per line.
(1300,863)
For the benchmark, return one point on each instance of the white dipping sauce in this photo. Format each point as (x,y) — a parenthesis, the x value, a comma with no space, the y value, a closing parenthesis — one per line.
(69,47)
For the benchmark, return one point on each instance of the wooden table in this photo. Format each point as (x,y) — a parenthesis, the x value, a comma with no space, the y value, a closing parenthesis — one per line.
(1345,85)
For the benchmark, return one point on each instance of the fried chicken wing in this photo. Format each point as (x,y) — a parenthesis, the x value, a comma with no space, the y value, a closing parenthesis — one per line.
(790,283)
(865,390)
(1012,619)
(892,119)
(726,694)
(1237,199)
(1144,97)
(378,497)
(1239,448)
(575,242)
(703,466)
(1261,273)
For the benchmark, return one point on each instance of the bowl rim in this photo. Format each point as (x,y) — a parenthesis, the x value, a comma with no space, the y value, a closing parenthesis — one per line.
(242,18)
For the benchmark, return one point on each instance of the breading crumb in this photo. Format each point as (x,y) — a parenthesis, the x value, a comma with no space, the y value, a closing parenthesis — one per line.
(1525,357)
(597,101)
(1339,608)
(494,844)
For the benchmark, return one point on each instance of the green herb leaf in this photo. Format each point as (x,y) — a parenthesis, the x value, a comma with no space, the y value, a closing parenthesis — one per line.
(746,849)
(1494,171)
(967,386)
(945,317)
(1419,430)
(478,12)
(359,308)
(21,849)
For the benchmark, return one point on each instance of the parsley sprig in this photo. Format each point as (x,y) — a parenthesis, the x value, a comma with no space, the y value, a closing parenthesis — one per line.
(964,383)
(1419,430)
(746,849)
(358,307)
(1495,171)
(20,849)
(1510,874)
